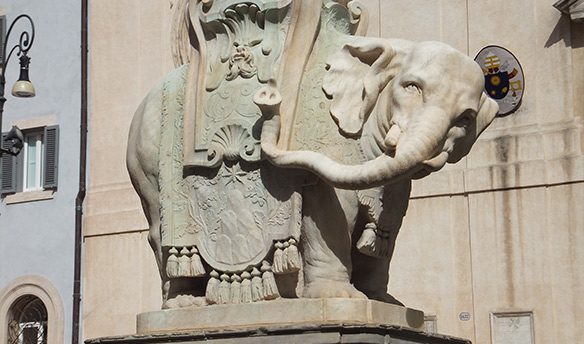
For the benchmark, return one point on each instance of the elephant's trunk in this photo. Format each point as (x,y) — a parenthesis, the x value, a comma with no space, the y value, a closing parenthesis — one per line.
(419,142)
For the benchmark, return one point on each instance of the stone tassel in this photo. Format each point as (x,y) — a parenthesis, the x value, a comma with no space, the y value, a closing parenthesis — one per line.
(293,256)
(197,268)
(172,263)
(223,291)
(235,289)
(278,266)
(246,288)
(269,282)
(257,289)
(184,263)
(211,294)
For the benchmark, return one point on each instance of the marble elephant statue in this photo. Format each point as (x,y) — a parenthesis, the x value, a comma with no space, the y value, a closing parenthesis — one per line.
(250,172)
(429,110)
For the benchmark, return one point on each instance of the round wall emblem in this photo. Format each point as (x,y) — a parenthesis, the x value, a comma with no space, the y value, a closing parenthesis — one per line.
(464,316)
(504,80)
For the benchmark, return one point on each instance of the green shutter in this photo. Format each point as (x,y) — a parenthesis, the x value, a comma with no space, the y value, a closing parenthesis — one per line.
(7,169)
(51,157)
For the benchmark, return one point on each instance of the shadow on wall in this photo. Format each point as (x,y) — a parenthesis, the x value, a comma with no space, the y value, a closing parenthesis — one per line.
(569,31)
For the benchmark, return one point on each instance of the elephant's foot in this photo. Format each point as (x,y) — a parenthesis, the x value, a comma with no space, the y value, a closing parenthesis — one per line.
(331,289)
(183,301)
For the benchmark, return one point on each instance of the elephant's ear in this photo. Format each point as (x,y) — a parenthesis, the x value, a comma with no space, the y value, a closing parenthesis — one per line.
(355,77)
(487,110)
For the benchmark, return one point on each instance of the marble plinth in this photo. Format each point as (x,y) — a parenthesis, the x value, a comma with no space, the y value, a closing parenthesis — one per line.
(292,334)
(280,312)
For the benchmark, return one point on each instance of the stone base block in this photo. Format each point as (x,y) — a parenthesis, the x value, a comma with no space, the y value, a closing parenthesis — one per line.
(292,334)
(283,321)
(280,312)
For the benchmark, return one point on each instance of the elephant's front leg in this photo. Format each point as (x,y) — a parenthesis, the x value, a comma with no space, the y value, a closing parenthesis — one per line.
(329,216)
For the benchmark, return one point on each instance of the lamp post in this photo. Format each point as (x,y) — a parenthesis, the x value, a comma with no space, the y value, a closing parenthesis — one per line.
(23,88)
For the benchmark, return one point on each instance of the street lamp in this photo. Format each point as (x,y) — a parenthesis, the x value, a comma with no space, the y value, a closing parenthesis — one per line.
(23,88)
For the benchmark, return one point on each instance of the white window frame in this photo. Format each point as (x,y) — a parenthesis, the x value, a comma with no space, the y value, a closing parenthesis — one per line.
(39,162)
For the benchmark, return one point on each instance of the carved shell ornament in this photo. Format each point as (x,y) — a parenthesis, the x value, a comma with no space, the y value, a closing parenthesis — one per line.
(233,141)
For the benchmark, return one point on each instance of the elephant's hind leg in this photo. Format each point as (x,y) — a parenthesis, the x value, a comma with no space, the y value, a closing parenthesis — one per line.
(142,162)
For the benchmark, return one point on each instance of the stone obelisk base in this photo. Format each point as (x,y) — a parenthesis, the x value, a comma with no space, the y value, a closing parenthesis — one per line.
(303,321)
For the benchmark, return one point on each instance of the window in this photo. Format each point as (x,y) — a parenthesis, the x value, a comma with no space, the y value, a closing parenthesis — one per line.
(31,311)
(27,321)
(35,168)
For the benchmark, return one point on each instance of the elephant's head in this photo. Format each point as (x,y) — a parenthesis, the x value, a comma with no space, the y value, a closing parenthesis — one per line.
(431,109)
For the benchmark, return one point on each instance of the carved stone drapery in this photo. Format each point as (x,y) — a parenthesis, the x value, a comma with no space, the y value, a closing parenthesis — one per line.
(231,213)
(223,202)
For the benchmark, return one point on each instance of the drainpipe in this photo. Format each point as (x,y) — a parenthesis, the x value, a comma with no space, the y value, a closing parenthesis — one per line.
(82,176)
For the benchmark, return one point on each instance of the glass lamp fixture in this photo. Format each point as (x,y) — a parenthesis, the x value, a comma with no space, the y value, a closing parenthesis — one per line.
(23,88)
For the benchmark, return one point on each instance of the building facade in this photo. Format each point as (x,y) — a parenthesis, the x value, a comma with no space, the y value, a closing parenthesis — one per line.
(491,248)
(39,186)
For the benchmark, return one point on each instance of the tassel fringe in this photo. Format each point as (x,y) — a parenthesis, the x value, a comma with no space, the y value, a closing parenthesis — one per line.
(172,264)
(269,282)
(197,268)
(211,294)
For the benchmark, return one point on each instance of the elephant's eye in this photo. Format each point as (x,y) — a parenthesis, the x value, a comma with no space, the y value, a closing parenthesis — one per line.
(466,118)
(412,87)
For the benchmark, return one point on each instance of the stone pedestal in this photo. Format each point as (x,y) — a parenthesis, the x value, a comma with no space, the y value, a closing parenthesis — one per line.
(283,321)
(292,334)
(279,312)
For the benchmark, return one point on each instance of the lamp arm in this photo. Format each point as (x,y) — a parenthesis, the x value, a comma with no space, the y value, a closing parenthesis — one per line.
(24,43)
(22,47)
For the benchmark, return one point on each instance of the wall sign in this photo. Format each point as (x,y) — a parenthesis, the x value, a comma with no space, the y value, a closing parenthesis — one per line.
(464,316)
(504,80)
(512,328)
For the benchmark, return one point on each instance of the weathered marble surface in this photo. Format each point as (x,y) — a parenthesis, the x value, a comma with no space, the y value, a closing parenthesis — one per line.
(214,150)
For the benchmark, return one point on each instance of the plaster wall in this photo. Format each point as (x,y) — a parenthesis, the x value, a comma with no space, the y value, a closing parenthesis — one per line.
(130,53)
(37,237)
(500,230)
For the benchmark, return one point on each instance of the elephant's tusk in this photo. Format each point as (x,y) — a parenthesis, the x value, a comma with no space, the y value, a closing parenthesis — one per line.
(437,162)
(392,137)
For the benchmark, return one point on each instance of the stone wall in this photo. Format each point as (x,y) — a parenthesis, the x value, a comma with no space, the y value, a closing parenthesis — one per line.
(130,53)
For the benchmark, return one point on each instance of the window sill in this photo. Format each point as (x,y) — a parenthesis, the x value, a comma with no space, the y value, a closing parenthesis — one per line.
(29,196)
